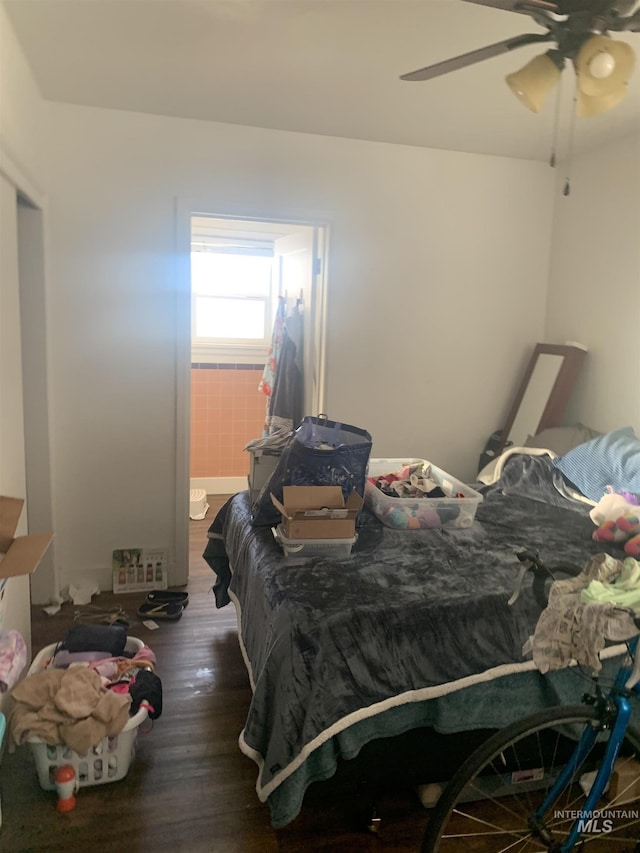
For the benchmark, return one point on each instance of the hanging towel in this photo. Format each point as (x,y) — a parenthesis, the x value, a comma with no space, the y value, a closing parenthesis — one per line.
(284,407)
(269,374)
(265,385)
(69,706)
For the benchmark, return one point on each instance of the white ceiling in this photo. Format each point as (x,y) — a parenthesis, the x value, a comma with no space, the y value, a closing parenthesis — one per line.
(327,67)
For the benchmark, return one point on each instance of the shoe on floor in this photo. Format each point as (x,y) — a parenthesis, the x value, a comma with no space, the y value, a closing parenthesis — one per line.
(160,596)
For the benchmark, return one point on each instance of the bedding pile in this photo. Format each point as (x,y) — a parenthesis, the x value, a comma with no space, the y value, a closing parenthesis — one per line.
(531,473)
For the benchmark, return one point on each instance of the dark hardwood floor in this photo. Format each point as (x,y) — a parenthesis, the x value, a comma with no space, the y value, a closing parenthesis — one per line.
(189,787)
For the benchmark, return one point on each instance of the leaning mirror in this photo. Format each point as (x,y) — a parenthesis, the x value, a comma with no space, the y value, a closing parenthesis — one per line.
(544,392)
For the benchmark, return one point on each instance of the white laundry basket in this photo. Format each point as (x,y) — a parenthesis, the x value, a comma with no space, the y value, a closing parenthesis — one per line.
(108,761)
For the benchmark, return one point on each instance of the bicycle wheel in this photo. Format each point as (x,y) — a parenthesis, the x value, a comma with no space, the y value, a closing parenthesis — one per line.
(486,806)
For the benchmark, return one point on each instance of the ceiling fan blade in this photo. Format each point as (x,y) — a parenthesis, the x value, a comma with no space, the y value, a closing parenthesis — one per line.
(560,7)
(618,15)
(515,5)
(475,56)
(622,7)
(633,23)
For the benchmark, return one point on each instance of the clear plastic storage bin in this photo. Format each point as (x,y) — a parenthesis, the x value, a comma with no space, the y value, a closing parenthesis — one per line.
(336,549)
(108,761)
(418,512)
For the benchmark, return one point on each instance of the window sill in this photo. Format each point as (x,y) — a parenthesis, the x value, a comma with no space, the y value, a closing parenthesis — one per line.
(214,354)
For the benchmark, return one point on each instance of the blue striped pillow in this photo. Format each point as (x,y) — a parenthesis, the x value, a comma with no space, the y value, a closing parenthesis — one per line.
(612,459)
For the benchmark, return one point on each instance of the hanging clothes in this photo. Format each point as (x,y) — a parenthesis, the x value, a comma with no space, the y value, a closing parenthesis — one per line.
(265,386)
(284,407)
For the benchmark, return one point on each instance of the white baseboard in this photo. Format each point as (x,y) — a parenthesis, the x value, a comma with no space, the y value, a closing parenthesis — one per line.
(220,485)
(103,578)
(87,579)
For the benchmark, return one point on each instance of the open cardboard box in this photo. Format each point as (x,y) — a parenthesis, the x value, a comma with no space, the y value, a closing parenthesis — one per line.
(317,512)
(624,786)
(19,555)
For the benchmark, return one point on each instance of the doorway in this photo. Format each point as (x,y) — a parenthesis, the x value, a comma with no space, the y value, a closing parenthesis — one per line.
(222,406)
(24,415)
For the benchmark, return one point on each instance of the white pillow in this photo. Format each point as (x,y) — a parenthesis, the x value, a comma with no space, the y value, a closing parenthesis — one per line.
(562,439)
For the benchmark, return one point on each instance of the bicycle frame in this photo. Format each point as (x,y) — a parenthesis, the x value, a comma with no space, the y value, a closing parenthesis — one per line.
(618,695)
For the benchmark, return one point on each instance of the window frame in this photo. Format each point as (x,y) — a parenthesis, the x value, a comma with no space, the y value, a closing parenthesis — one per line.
(233,350)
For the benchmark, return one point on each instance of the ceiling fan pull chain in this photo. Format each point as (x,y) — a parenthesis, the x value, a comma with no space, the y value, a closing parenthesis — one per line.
(572,127)
(556,125)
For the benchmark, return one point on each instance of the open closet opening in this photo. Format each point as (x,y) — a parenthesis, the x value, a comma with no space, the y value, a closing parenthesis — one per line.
(25,464)
(247,277)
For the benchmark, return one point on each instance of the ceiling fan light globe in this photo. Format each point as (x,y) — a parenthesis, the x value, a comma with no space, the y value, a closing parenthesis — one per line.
(596,76)
(533,82)
(601,65)
(592,105)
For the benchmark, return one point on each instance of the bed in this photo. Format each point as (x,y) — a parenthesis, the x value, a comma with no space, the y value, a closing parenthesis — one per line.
(412,632)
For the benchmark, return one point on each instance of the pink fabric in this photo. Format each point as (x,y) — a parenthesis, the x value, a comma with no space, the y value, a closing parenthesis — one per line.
(13,658)
(111,667)
(265,386)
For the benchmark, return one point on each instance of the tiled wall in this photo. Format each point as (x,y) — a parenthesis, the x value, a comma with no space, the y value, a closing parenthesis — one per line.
(227,411)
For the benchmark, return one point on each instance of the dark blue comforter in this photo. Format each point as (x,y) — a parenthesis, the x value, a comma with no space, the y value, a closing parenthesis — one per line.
(329,643)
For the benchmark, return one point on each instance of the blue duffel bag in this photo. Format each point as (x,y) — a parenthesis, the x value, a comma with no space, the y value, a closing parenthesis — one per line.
(320,452)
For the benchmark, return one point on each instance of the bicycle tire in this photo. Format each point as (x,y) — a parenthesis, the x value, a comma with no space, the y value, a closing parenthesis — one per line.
(450,830)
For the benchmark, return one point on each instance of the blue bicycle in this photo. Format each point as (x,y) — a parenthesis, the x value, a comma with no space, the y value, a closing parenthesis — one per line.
(563,779)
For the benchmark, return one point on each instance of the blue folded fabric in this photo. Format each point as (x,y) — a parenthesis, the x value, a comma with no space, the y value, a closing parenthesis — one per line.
(611,460)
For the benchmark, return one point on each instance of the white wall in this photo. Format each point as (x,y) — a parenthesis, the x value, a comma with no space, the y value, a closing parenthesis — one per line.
(439,265)
(437,283)
(437,287)
(20,139)
(438,277)
(594,286)
(14,606)
(20,105)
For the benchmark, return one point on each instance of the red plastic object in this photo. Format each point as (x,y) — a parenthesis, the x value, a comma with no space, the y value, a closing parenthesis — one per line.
(66,785)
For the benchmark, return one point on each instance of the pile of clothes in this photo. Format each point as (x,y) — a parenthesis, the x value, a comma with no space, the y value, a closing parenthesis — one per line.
(87,690)
(412,481)
(584,611)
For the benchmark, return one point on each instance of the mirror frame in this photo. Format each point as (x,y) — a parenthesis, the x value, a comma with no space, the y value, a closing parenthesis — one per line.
(554,409)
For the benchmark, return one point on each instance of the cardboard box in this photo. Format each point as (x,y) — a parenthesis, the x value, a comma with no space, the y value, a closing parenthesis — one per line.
(19,555)
(624,786)
(317,512)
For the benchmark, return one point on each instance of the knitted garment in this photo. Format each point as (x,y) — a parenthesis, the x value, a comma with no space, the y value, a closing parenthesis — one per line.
(571,629)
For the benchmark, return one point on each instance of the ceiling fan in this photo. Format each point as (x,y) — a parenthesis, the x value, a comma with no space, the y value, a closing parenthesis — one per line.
(579,29)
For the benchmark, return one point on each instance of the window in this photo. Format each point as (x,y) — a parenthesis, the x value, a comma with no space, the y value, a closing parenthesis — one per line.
(232,299)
